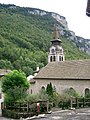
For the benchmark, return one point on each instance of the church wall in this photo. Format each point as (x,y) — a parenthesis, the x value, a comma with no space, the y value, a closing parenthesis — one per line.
(78,85)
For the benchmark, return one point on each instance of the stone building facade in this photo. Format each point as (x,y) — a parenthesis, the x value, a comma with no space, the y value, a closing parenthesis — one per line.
(62,74)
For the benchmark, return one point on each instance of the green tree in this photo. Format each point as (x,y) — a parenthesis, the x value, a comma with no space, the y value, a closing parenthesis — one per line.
(14,84)
(49,89)
(5,64)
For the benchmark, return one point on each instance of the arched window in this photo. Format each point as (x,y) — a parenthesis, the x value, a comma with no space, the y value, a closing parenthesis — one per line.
(43,88)
(51,59)
(60,50)
(53,50)
(62,58)
(87,92)
(59,58)
(54,58)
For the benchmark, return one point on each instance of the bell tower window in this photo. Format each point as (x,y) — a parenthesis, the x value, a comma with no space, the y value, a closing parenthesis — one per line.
(52,50)
(59,58)
(51,59)
(54,59)
(62,58)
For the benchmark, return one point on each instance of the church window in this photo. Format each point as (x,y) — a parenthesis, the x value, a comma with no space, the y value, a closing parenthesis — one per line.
(62,58)
(54,58)
(60,50)
(87,92)
(59,58)
(51,59)
(43,88)
(52,50)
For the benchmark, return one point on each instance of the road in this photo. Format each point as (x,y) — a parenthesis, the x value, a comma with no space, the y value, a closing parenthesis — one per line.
(78,114)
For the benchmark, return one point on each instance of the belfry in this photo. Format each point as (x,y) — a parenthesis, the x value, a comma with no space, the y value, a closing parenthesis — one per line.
(56,52)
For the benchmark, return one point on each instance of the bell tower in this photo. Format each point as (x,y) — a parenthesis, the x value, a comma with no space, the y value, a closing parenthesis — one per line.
(56,52)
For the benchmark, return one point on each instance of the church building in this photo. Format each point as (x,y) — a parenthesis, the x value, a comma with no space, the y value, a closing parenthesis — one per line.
(62,74)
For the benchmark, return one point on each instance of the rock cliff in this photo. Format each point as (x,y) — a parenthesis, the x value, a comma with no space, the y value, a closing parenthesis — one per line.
(82,43)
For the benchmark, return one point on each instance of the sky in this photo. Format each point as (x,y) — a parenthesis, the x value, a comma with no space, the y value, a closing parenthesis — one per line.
(73,10)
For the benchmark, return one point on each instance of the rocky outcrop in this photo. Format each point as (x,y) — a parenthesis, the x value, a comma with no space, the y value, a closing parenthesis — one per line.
(81,43)
(59,18)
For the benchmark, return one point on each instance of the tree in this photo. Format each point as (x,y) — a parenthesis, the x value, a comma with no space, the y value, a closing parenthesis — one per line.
(5,64)
(68,93)
(14,84)
(49,89)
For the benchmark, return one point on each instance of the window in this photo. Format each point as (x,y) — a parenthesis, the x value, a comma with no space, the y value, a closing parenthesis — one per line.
(54,58)
(51,59)
(87,92)
(62,58)
(0,95)
(59,58)
(60,50)
(43,88)
(52,50)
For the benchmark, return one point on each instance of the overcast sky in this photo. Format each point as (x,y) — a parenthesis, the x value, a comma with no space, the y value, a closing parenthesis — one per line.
(73,10)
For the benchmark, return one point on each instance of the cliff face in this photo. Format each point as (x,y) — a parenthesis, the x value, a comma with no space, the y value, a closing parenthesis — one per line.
(56,16)
(81,43)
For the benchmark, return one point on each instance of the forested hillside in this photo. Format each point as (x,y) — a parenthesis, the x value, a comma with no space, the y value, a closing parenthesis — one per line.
(25,40)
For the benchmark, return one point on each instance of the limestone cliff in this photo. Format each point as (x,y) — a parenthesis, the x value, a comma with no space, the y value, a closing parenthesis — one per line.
(82,43)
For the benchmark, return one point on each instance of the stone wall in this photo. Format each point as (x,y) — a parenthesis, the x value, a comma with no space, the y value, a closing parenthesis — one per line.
(78,85)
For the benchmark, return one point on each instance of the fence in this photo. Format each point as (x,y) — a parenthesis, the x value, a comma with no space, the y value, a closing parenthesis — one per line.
(75,103)
(25,109)
(80,102)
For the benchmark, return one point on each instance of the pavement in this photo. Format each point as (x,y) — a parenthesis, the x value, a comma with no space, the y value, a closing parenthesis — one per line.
(58,114)
(74,114)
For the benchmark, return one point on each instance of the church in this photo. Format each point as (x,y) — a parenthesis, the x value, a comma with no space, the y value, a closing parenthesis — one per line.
(62,74)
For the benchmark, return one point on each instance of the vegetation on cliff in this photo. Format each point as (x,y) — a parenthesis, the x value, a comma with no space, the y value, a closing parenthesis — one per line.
(25,40)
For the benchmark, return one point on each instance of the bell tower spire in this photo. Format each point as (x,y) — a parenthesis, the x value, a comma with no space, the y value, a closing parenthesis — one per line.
(55,33)
(56,53)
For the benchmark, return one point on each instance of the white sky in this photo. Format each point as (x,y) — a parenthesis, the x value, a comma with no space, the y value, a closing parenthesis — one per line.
(73,10)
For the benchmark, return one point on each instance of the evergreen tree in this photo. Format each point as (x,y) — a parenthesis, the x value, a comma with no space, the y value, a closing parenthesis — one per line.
(49,89)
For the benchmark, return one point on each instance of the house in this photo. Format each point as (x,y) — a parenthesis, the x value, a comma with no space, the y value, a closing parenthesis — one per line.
(62,74)
(3,72)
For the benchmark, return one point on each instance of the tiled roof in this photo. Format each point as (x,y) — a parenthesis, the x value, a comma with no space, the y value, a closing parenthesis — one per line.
(32,81)
(75,69)
(4,72)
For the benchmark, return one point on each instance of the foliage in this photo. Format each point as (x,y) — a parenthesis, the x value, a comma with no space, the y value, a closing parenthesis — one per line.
(56,99)
(87,95)
(5,64)
(43,95)
(31,98)
(14,86)
(49,89)
(25,40)
(16,94)
(68,93)
(36,97)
